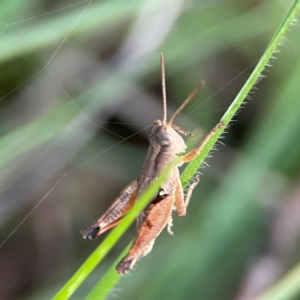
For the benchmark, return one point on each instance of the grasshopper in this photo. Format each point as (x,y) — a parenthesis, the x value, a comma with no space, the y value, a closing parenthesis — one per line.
(165,145)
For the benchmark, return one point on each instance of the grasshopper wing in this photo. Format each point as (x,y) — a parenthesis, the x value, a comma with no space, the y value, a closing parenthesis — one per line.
(121,205)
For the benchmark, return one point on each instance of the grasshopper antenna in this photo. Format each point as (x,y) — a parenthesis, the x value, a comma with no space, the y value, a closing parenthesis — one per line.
(163,84)
(186,101)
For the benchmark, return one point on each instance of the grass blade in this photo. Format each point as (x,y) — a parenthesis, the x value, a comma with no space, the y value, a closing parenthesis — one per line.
(287,288)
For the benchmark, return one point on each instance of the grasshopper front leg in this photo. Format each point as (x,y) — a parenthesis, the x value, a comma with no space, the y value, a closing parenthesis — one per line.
(153,220)
(122,204)
(196,151)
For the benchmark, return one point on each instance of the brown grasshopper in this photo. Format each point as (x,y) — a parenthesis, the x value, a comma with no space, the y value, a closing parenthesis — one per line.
(165,145)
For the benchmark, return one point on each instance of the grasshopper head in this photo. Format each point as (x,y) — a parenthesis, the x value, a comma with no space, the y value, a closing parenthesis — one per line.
(165,137)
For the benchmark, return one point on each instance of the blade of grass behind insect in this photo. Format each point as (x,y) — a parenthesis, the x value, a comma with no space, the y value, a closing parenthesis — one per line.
(287,288)
(192,168)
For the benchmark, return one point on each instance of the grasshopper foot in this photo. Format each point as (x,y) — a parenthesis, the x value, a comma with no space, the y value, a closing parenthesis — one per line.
(126,264)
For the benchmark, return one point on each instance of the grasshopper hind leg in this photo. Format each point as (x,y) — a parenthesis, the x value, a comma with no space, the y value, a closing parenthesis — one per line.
(153,221)
(127,263)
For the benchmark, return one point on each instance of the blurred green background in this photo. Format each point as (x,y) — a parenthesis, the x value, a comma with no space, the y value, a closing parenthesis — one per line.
(80,83)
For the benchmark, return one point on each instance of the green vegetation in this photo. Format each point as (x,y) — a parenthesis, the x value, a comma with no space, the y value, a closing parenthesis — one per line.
(54,96)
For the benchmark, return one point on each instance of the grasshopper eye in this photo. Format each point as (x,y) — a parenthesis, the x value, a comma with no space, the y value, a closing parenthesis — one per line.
(164,139)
